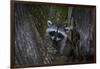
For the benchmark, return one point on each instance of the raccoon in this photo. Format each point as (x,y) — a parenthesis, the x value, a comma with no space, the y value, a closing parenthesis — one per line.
(58,36)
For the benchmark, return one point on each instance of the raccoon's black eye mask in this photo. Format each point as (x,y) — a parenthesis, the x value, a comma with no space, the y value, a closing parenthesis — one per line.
(52,33)
(59,35)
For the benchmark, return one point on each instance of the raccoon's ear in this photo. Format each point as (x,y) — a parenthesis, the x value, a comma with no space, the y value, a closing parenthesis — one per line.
(49,23)
(67,29)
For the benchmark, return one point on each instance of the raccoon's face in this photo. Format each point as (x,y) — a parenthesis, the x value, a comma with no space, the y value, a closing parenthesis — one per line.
(56,32)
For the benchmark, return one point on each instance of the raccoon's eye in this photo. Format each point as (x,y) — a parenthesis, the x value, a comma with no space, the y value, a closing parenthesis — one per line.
(52,33)
(60,35)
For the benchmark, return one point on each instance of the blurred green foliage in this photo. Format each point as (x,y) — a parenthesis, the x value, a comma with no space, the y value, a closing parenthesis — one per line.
(42,13)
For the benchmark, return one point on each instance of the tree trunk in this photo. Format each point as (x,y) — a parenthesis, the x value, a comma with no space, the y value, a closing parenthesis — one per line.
(29,47)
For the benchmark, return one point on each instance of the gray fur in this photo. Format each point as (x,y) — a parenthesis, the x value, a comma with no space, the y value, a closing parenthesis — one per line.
(59,36)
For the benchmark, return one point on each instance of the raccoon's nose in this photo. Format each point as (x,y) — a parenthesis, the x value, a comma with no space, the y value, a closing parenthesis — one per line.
(55,39)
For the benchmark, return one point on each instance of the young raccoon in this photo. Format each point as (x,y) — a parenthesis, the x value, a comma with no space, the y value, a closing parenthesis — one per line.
(58,36)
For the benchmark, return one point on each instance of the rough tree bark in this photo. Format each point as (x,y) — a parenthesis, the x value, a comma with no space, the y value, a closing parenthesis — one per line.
(83,24)
(29,47)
